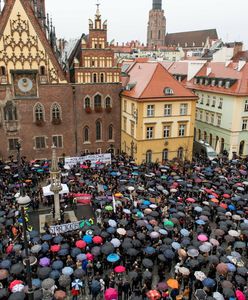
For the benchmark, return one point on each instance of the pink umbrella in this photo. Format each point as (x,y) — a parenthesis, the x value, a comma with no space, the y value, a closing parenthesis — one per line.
(89,256)
(80,244)
(240,295)
(190,200)
(202,237)
(55,248)
(111,294)
(120,269)
(97,239)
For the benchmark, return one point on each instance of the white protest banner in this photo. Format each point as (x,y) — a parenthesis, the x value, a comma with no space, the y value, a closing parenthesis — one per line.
(57,229)
(94,159)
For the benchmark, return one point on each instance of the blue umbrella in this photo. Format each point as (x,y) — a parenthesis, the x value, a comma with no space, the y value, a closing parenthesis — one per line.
(5,264)
(113,174)
(113,257)
(67,271)
(46,237)
(135,173)
(209,282)
(58,239)
(95,286)
(36,240)
(231,207)
(63,252)
(200,222)
(175,245)
(149,250)
(231,267)
(146,202)
(87,239)
(57,265)
(36,282)
(33,234)
(55,274)
(184,232)
(77,284)
(44,247)
(81,257)
(111,230)
(75,252)
(198,209)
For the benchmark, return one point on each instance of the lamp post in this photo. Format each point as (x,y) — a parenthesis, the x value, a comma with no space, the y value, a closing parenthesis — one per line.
(55,176)
(24,201)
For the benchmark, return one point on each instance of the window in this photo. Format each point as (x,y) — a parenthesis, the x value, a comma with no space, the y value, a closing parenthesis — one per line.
(13,144)
(244,124)
(86,134)
(132,128)
(39,112)
(168,91)
(183,109)
(202,100)
(165,154)
(246,105)
(98,130)
(109,77)
(212,118)
(87,77)
(56,112)
(98,101)
(58,141)
(102,62)
(150,110)
(213,103)
(210,139)
(124,123)
(167,129)
(109,62)
(218,120)
(220,83)
(10,113)
(213,82)
(149,132)
(199,134)
(2,71)
(220,103)
(182,129)
(42,71)
(200,115)
(116,77)
(208,102)
(125,106)
(148,156)
(207,117)
(108,102)
(87,62)
(94,78)
(167,109)
(101,77)
(40,142)
(132,108)
(180,153)
(110,132)
(87,102)
(227,84)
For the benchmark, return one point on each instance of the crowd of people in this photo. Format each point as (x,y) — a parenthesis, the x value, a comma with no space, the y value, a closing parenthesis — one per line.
(161,231)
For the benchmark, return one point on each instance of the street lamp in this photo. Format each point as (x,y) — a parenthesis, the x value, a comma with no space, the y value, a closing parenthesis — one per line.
(23,202)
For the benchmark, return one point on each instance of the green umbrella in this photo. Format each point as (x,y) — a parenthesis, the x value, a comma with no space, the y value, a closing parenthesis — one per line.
(164,177)
(168,223)
(108,207)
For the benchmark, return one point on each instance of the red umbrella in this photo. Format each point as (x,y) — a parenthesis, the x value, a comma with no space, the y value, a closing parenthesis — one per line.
(15,282)
(227,196)
(223,205)
(55,248)
(9,248)
(111,294)
(120,269)
(190,200)
(97,239)
(89,256)
(80,244)
(153,295)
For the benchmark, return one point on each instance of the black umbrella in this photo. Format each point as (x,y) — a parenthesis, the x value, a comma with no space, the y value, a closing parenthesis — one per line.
(95,286)
(132,275)
(240,280)
(147,275)
(38,295)
(105,234)
(17,296)
(4,293)
(147,263)
(161,257)
(242,271)
(228,293)
(79,273)
(141,236)
(132,252)
(44,272)
(169,254)
(107,248)
(16,269)
(200,294)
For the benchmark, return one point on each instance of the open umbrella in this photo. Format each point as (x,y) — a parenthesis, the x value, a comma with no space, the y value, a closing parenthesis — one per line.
(222,268)
(44,272)
(48,283)
(55,248)
(59,295)
(107,248)
(64,280)
(199,275)
(147,263)
(153,295)
(44,262)
(67,271)
(209,282)
(115,242)
(119,269)
(172,283)
(200,294)
(77,284)
(111,294)
(80,244)
(113,257)
(17,268)
(97,240)
(57,265)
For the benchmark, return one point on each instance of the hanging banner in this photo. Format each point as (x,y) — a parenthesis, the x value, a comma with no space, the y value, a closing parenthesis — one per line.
(94,159)
(83,199)
(58,229)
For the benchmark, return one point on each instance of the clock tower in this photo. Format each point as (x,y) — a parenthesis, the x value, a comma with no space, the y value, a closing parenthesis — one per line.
(156,29)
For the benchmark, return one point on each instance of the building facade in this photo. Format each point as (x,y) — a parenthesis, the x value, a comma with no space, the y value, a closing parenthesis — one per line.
(158,115)
(35,97)
(95,75)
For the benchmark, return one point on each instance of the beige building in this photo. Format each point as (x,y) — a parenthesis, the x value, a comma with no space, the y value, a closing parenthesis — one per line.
(158,115)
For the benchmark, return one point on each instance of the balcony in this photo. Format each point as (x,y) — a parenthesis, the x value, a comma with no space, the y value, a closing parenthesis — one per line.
(11,126)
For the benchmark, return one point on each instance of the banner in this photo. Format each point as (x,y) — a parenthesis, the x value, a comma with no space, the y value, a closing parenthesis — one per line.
(84,199)
(58,229)
(94,159)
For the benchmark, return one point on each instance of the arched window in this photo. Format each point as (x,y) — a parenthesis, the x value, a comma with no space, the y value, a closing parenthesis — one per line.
(102,77)
(222,145)
(56,112)
(210,139)
(108,102)
(205,136)
(180,153)
(148,156)
(2,71)
(87,102)
(42,71)
(39,112)
(216,143)
(199,134)
(165,154)
(241,147)
(98,130)
(86,134)
(98,101)
(10,113)
(95,78)
(110,132)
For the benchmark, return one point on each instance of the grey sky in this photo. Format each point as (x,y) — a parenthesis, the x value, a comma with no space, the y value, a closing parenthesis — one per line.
(127,19)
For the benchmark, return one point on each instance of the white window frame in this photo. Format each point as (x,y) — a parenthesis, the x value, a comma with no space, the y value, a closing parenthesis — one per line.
(62,141)
(167,110)
(149,132)
(35,141)
(183,109)
(182,130)
(244,124)
(246,105)
(166,131)
(150,110)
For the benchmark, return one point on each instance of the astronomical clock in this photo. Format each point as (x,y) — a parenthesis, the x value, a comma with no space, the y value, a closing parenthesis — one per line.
(25,83)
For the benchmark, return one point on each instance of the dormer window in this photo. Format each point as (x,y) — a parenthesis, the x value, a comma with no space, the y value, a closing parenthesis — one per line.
(220,83)
(213,82)
(227,84)
(195,81)
(201,80)
(206,81)
(168,91)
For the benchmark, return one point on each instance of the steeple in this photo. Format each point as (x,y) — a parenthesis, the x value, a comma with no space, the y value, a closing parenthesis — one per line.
(157,4)
(54,163)
(98,21)
(98,15)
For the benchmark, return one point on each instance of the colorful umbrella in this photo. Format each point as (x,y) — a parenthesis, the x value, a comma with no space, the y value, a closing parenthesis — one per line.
(173,283)
(119,269)
(111,294)
(55,248)
(153,295)
(97,240)
(77,284)
(80,244)
(113,257)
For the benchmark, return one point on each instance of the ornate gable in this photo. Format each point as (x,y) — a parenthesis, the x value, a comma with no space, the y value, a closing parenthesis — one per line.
(23,45)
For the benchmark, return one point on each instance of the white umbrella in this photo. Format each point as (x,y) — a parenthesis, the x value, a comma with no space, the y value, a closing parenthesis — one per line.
(184,271)
(127,211)
(130,188)
(115,242)
(199,275)
(153,206)
(234,233)
(121,231)
(218,296)
(17,288)
(112,223)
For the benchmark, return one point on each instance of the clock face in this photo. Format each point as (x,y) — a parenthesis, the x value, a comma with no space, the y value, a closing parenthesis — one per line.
(24,84)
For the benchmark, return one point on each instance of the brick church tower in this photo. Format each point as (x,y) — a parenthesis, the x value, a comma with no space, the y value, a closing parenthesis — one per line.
(156,29)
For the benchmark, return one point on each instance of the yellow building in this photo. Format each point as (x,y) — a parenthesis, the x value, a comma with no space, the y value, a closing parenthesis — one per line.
(158,114)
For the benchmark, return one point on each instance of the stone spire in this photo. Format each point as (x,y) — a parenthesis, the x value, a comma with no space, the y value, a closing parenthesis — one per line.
(98,14)
(54,163)
(157,4)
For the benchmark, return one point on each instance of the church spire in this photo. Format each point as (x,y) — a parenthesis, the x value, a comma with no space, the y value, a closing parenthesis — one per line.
(157,4)
(98,15)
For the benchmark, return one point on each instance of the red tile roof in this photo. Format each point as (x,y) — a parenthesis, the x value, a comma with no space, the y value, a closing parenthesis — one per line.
(221,70)
(150,79)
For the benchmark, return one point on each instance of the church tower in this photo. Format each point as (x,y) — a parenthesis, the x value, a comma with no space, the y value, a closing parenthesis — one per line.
(156,29)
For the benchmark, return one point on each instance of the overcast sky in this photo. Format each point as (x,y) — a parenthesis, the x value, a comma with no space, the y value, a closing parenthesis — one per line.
(127,19)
